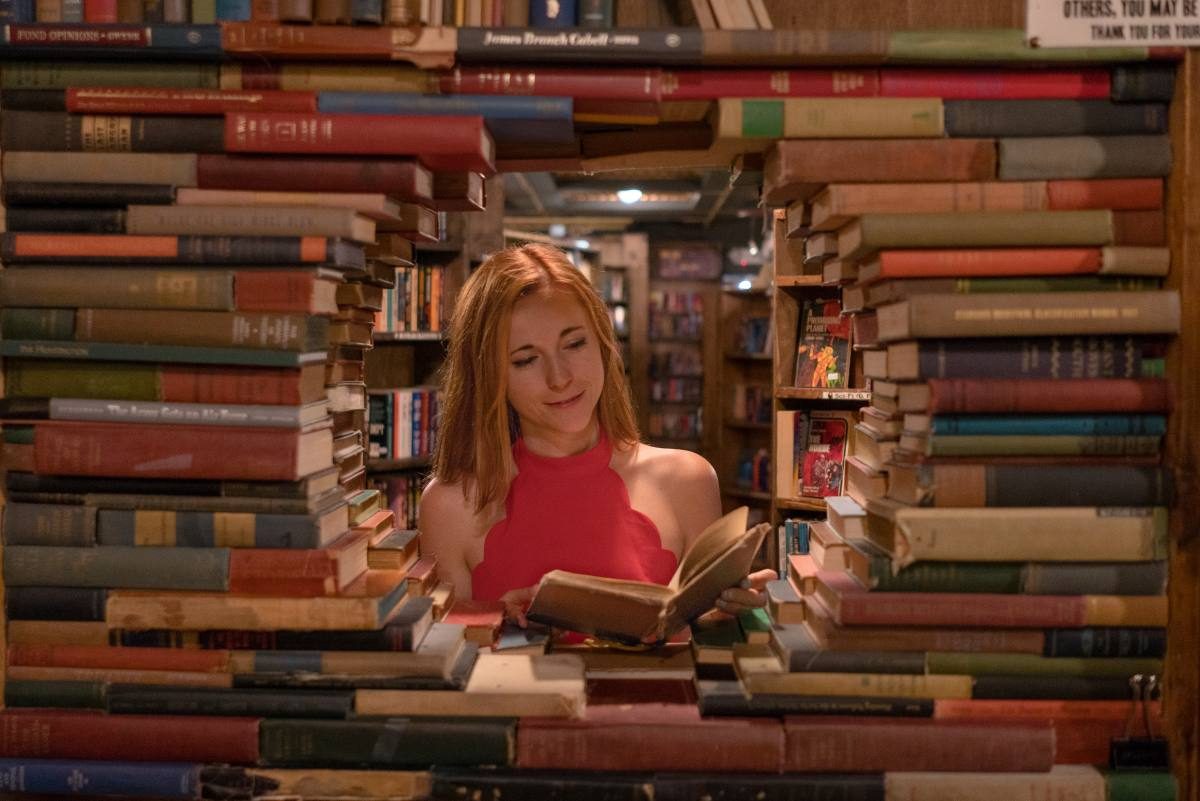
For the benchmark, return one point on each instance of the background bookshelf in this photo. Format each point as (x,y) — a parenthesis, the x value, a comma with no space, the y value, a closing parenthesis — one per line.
(743,452)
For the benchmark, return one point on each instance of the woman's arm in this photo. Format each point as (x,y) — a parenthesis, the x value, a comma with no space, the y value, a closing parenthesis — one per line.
(446,523)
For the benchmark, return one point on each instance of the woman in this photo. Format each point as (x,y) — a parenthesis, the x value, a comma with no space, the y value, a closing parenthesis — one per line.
(538,464)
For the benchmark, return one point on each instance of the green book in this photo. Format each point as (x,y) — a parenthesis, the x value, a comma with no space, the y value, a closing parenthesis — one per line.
(128,567)
(1140,785)
(825,118)
(392,743)
(1052,157)
(55,694)
(64,74)
(992,45)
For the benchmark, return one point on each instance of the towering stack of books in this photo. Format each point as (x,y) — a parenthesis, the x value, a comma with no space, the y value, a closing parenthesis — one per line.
(195,569)
(999,562)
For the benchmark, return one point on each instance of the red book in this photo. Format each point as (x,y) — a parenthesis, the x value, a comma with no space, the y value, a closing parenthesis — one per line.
(713,84)
(1055,396)
(1105,193)
(187,383)
(1046,84)
(117,657)
(92,734)
(130,100)
(178,451)
(299,572)
(616,84)
(403,179)
(1007,262)
(1083,730)
(710,745)
(428,48)
(100,11)
(447,143)
(835,744)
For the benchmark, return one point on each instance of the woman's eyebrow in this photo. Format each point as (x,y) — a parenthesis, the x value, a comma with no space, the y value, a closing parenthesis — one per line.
(561,334)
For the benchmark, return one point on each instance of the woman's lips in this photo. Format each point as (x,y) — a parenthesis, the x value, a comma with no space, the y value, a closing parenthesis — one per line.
(565,403)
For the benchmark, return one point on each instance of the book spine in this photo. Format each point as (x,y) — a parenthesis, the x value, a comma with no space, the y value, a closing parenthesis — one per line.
(122,100)
(608,84)
(247,132)
(107,656)
(58,776)
(121,352)
(946,577)
(682,787)
(125,289)
(634,46)
(155,701)
(160,40)
(87,736)
(1056,157)
(1096,642)
(55,603)
(487,106)
(1088,357)
(134,568)
(200,529)
(1143,82)
(940,263)
(64,525)
(833,744)
(1094,425)
(245,385)
(1096,578)
(958,609)
(48,130)
(1064,687)
(204,329)
(980,395)
(828,118)
(179,249)
(1042,445)
(714,84)
(397,743)
(404,179)
(92,195)
(992,84)
(64,74)
(66,220)
(112,449)
(960,663)
(1112,193)
(980,118)
(468,782)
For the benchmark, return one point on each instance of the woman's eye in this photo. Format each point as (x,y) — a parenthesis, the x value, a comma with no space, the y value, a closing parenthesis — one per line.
(577,344)
(524,362)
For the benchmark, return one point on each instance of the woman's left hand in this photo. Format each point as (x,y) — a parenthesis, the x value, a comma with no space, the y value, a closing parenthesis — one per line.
(749,594)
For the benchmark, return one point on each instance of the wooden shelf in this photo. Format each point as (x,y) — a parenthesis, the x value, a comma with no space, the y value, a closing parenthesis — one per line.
(746,494)
(748,425)
(815,393)
(789,281)
(753,292)
(801,504)
(407,336)
(747,357)
(396,465)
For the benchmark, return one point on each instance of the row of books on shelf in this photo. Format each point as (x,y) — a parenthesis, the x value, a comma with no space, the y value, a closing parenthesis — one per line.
(415,303)
(401,13)
(401,422)
(432,47)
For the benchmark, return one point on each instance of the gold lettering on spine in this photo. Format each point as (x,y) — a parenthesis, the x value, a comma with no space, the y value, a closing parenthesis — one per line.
(104,133)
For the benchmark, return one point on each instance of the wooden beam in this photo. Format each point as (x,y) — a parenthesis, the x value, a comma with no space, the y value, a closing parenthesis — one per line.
(1183,436)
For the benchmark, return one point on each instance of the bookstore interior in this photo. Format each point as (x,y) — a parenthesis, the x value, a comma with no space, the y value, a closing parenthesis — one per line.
(911,276)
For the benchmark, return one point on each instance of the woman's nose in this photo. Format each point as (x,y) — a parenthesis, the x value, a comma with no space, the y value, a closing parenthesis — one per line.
(558,374)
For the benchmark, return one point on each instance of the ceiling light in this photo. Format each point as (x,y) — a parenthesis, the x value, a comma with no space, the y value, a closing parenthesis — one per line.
(629,196)
(582,244)
(744,285)
(557,230)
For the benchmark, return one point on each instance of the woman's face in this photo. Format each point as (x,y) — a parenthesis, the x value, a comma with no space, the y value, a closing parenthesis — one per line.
(555,370)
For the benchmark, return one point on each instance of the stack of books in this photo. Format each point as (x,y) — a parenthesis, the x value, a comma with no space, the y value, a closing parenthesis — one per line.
(999,559)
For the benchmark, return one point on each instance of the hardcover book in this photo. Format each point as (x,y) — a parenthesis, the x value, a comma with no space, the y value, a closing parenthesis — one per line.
(636,612)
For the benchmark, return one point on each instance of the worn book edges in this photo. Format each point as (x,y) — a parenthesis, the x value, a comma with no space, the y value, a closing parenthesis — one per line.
(634,611)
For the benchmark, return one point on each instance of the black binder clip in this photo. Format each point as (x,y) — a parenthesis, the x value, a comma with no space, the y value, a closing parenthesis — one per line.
(1140,752)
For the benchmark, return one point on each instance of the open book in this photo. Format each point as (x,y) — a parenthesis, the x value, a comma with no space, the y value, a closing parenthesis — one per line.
(637,611)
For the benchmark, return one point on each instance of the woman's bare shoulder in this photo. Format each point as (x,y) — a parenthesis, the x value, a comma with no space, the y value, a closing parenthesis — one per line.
(446,507)
(672,464)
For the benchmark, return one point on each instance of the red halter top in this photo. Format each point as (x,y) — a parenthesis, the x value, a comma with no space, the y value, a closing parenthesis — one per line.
(568,513)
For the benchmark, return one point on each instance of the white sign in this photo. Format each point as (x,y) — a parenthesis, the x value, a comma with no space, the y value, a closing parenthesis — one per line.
(1113,23)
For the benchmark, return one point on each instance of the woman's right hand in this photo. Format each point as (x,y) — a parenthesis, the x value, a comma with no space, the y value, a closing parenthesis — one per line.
(516,602)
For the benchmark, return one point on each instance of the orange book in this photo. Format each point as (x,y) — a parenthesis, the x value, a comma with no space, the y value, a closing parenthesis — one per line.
(168,678)
(298,571)
(1083,730)
(1105,193)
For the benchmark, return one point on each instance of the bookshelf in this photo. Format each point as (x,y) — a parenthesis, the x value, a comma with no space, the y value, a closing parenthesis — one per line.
(798,283)
(746,400)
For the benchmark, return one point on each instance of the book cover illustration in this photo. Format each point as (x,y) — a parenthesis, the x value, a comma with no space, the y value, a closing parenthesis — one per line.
(824,459)
(823,345)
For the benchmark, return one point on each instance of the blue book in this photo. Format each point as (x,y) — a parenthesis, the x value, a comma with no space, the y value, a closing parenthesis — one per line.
(17,11)
(89,779)
(510,118)
(104,41)
(1050,425)
(233,10)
